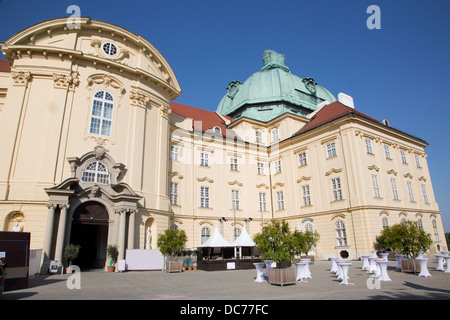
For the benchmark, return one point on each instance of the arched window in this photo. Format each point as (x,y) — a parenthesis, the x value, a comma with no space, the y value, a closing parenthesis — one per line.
(420,224)
(102,113)
(435,230)
(206,233)
(97,172)
(308,226)
(341,234)
(385,222)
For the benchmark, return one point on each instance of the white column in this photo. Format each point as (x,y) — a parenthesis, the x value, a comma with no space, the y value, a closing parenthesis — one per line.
(131,226)
(122,228)
(61,233)
(48,238)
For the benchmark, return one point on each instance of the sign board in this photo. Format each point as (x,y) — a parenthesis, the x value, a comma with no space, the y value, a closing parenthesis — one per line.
(53,267)
(231,265)
(144,259)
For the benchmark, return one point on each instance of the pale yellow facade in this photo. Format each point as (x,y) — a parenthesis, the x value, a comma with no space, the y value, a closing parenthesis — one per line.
(360,209)
(59,155)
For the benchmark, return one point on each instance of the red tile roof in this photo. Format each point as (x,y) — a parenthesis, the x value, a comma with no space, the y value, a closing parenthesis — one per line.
(203,120)
(329,113)
(4,66)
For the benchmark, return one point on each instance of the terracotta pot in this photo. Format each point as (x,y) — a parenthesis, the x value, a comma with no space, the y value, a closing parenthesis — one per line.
(111,268)
(189,268)
(195,268)
(183,268)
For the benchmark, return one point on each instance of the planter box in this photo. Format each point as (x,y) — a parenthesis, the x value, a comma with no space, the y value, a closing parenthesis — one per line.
(391,256)
(410,265)
(282,277)
(173,266)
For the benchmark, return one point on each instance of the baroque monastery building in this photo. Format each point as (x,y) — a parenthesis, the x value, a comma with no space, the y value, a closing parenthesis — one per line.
(95,152)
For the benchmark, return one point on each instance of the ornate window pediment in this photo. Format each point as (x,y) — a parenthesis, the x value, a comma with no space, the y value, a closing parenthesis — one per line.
(97,167)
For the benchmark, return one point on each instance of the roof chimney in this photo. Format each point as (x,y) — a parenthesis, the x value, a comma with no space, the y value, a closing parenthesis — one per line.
(346,100)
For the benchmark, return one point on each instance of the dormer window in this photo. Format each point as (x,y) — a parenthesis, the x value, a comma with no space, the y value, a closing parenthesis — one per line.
(96,172)
(217,130)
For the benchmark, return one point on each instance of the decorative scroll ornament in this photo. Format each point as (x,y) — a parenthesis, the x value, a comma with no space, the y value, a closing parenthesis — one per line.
(106,81)
(310,84)
(100,151)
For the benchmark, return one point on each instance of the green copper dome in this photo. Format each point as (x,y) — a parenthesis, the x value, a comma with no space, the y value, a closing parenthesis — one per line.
(271,92)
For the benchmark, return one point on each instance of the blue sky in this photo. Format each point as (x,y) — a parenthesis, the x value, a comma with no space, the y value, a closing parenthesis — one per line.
(399,72)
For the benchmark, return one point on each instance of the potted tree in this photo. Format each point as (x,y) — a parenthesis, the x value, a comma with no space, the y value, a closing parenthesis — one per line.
(277,243)
(385,242)
(112,253)
(410,240)
(71,252)
(171,244)
(305,241)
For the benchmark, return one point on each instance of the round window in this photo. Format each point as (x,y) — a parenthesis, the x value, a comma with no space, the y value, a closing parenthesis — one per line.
(109,48)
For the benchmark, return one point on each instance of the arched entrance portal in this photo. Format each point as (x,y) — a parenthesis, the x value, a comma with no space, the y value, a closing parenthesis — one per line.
(90,231)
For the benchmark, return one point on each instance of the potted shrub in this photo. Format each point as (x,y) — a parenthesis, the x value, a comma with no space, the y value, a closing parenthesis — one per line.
(71,252)
(410,240)
(171,244)
(112,253)
(277,243)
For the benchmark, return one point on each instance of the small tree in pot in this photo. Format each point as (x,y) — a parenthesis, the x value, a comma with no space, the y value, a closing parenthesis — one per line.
(305,241)
(171,243)
(71,252)
(112,253)
(277,243)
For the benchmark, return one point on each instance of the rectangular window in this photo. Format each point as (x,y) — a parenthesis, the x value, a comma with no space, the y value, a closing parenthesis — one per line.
(331,150)
(306,196)
(403,155)
(336,189)
(234,164)
(275,136)
(394,189)
(410,191)
(262,202)
(258,136)
(387,152)
(425,195)
(204,197)
(376,186)
(417,161)
(260,168)
(369,146)
(235,199)
(174,153)
(302,159)
(280,200)
(277,165)
(204,159)
(174,193)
